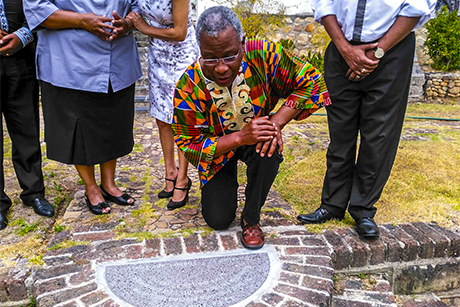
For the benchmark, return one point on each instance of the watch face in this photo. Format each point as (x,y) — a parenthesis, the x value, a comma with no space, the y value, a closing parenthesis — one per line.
(379,53)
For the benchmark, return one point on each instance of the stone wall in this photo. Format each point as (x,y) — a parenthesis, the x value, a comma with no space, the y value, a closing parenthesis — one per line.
(441,86)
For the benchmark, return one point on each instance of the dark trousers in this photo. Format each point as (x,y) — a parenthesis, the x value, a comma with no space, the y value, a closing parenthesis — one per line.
(374,108)
(19,106)
(219,195)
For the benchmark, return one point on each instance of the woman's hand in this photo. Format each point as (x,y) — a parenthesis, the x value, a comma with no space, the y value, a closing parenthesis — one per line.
(138,21)
(123,26)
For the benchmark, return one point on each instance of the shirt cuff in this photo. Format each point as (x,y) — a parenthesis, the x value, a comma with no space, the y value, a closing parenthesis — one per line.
(25,36)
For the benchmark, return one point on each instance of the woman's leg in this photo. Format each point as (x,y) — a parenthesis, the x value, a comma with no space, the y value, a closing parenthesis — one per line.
(108,179)
(92,191)
(167,145)
(182,179)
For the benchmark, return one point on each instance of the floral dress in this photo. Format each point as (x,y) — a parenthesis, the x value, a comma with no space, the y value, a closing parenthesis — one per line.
(167,59)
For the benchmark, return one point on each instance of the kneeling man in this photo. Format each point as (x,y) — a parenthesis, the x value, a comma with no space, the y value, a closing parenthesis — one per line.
(222,114)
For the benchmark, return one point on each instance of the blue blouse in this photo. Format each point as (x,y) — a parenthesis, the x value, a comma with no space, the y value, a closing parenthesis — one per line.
(77,59)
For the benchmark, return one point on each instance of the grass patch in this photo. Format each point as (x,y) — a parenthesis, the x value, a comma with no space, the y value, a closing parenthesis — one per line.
(68,243)
(424,184)
(26,248)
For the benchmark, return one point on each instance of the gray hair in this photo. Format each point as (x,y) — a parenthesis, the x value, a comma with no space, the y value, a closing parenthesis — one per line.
(215,20)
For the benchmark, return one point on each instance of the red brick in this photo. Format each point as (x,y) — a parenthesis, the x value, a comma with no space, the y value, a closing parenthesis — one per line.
(133,251)
(376,250)
(282,241)
(93,298)
(229,242)
(305,295)
(393,248)
(441,243)
(152,248)
(360,251)
(173,246)
(410,250)
(192,244)
(210,243)
(453,249)
(341,255)
(426,245)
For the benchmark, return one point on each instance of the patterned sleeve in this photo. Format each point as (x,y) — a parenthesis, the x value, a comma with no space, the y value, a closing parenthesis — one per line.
(193,126)
(292,78)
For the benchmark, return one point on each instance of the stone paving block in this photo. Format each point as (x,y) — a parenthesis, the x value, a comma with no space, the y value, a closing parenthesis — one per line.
(49,286)
(85,275)
(298,233)
(344,302)
(305,295)
(51,272)
(56,261)
(410,250)
(426,245)
(293,259)
(393,247)
(73,250)
(360,251)
(59,237)
(65,295)
(342,255)
(441,243)
(454,238)
(94,236)
(172,246)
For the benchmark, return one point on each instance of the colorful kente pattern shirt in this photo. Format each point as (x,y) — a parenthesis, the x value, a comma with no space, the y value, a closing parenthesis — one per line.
(204,111)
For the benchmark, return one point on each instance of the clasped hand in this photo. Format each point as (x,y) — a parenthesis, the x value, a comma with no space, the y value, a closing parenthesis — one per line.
(265,134)
(9,43)
(99,25)
(361,60)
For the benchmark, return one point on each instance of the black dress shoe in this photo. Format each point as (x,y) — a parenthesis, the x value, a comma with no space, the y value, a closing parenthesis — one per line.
(177,204)
(42,207)
(367,228)
(321,215)
(119,200)
(3,220)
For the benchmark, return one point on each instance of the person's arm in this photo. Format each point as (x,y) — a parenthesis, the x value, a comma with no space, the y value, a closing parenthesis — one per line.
(402,27)
(178,32)
(90,22)
(354,55)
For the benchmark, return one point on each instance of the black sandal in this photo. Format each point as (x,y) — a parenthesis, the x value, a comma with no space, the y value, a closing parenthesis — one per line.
(177,204)
(119,200)
(166,194)
(98,208)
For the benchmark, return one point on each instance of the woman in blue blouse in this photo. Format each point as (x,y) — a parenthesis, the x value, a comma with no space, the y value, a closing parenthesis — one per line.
(87,64)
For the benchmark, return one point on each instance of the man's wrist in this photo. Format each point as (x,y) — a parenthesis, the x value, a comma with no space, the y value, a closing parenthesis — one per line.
(24,35)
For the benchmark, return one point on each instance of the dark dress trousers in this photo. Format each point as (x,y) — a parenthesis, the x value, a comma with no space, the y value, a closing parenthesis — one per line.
(19,106)
(374,109)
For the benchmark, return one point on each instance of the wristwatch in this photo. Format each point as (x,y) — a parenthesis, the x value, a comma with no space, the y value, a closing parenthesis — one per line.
(378,52)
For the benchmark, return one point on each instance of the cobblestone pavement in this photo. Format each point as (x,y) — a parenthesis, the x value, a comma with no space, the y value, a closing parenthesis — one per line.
(334,268)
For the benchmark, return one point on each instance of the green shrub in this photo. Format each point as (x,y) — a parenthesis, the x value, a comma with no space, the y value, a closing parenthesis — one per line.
(443,40)
(315,59)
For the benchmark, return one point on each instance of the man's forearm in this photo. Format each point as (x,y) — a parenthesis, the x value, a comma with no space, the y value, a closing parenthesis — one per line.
(399,30)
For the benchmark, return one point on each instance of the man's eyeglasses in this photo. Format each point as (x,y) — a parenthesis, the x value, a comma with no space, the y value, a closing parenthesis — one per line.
(227,60)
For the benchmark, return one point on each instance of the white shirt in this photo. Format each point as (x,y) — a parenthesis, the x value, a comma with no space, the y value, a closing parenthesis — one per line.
(378,17)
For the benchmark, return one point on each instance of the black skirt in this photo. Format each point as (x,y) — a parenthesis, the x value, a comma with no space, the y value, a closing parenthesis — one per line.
(87,128)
